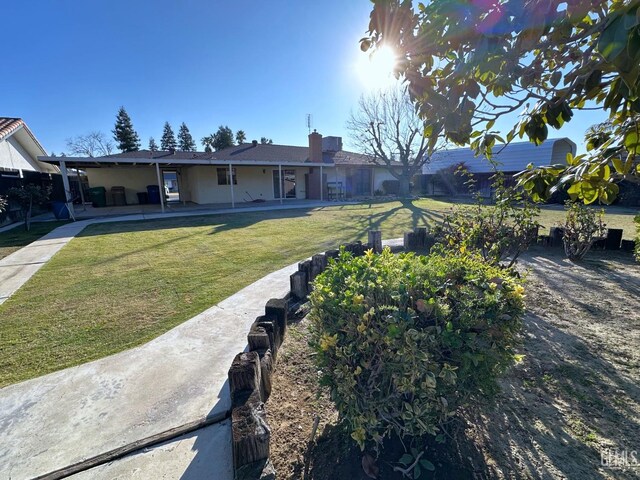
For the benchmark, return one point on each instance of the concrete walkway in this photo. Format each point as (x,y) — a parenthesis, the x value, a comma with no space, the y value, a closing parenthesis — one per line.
(20,266)
(57,420)
(66,417)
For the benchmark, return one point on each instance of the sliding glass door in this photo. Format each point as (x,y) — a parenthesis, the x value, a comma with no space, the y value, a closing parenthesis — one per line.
(287,185)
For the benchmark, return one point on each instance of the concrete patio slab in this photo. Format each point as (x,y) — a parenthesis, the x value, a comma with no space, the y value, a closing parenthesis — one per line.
(202,455)
(57,420)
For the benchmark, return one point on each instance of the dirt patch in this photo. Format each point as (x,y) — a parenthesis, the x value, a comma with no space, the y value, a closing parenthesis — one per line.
(575,396)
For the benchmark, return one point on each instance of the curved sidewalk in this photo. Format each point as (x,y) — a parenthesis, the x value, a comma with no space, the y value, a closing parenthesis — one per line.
(20,266)
(57,420)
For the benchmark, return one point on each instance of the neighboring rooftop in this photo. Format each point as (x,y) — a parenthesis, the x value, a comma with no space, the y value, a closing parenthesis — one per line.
(511,158)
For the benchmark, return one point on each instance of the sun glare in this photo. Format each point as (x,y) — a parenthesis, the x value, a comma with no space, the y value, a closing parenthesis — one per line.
(376,70)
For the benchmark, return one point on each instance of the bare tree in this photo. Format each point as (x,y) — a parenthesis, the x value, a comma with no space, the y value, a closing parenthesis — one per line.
(92,144)
(386,127)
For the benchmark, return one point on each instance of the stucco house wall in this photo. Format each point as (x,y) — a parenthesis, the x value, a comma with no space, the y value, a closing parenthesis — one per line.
(202,182)
(133,179)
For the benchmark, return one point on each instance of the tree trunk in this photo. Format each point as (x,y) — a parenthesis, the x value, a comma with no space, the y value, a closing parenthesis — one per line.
(404,185)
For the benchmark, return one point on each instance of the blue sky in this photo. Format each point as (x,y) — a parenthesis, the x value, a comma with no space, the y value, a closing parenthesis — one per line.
(260,66)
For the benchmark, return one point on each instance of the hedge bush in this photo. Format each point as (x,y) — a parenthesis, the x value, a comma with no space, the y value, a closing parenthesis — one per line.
(582,227)
(497,232)
(404,341)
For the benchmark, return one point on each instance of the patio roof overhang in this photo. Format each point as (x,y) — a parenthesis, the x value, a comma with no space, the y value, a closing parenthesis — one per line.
(102,162)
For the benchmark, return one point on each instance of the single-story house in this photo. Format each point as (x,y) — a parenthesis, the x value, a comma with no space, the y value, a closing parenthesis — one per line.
(19,152)
(509,159)
(248,172)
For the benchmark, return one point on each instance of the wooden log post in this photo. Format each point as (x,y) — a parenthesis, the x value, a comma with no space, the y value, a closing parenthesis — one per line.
(556,235)
(420,237)
(258,338)
(306,268)
(260,470)
(409,241)
(270,325)
(318,264)
(266,372)
(628,245)
(298,282)
(244,376)
(332,254)
(544,240)
(614,239)
(375,241)
(277,308)
(250,433)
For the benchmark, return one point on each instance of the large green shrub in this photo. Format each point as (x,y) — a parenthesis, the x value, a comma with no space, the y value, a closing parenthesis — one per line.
(404,341)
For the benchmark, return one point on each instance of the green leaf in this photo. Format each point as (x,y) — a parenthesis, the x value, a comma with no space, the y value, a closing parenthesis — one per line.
(574,191)
(613,39)
(427,465)
(618,164)
(406,459)
(589,192)
(570,159)
(416,472)
(632,142)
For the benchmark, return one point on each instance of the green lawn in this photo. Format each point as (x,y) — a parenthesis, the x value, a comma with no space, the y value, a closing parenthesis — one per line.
(17,237)
(121,284)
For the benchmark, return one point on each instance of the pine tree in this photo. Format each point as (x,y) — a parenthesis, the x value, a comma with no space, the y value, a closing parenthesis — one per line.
(124,134)
(241,137)
(185,140)
(168,140)
(153,146)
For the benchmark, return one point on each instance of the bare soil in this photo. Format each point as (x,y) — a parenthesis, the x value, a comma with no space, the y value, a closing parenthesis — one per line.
(574,397)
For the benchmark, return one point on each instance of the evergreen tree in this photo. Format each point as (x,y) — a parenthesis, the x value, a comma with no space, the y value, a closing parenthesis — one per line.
(153,146)
(266,141)
(185,140)
(168,140)
(241,137)
(124,134)
(223,138)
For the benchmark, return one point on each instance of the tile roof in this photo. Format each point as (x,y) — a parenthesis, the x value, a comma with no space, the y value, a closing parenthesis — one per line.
(9,125)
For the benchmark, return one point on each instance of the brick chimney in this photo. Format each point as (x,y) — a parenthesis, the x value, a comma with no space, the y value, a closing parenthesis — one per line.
(315,147)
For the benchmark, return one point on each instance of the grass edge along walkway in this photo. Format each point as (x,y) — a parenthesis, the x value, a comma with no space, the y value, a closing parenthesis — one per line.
(118,285)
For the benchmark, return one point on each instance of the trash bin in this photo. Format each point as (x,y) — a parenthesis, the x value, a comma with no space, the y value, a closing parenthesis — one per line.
(154,193)
(60,210)
(118,196)
(98,196)
(143,198)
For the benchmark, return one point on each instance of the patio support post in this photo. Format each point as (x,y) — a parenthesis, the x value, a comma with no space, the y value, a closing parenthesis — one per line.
(67,190)
(321,186)
(84,207)
(281,181)
(233,200)
(160,186)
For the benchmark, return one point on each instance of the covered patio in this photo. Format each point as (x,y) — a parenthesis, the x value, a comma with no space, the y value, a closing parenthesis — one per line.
(185,181)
